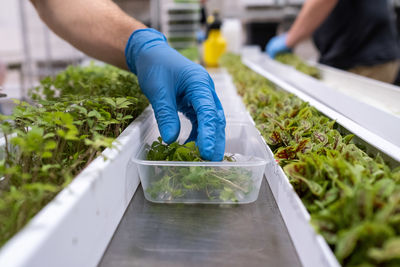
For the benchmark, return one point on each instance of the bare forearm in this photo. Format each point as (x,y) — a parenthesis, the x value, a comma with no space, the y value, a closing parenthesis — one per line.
(98,28)
(311,16)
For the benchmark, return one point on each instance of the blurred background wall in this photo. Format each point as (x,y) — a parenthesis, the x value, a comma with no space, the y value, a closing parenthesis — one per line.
(30,51)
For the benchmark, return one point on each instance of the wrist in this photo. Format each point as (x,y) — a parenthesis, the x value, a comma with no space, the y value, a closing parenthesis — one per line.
(139,41)
(290,41)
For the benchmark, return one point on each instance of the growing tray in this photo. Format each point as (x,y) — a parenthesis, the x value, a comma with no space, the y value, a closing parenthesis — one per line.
(76,226)
(311,247)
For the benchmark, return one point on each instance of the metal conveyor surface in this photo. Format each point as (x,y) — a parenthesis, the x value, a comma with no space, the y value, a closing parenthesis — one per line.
(201,235)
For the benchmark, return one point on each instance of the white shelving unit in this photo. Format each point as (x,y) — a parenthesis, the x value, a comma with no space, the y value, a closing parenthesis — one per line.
(180,23)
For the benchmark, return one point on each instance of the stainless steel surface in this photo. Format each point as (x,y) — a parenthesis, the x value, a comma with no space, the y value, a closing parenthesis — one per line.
(201,235)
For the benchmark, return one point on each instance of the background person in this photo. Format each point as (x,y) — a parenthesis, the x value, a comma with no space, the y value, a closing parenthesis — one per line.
(355,35)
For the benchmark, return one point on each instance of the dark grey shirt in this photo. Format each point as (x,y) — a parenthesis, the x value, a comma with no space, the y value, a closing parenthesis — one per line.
(358,32)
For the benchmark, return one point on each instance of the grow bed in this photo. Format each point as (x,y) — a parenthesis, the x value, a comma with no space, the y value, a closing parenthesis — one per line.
(77,114)
(377,121)
(351,196)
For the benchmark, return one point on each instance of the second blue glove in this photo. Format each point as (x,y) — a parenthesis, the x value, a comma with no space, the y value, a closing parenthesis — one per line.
(277,45)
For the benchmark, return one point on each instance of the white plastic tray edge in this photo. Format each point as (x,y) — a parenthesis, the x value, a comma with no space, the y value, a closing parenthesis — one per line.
(311,247)
(382,95)
(75,228)
(359,78)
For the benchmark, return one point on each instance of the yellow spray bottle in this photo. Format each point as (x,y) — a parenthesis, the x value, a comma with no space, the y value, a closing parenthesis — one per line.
(215,45)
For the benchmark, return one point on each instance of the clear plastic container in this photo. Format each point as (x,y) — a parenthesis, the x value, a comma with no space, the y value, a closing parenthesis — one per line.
(206,182)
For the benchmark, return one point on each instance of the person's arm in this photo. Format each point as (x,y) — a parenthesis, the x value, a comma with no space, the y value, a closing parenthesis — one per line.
(311,16)
(170,81)
(98,28)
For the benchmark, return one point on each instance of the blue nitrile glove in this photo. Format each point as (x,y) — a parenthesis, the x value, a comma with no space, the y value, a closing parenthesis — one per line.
(277,45)
(173,83)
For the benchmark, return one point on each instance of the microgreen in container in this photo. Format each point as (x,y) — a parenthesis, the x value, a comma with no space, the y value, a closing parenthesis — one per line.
(176,173)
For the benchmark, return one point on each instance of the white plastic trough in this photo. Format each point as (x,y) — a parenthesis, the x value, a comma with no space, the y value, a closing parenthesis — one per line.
(311,247)
(75,228)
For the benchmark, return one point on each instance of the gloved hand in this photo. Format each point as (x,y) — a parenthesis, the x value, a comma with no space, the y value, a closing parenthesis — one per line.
(277,45)
(173,83)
